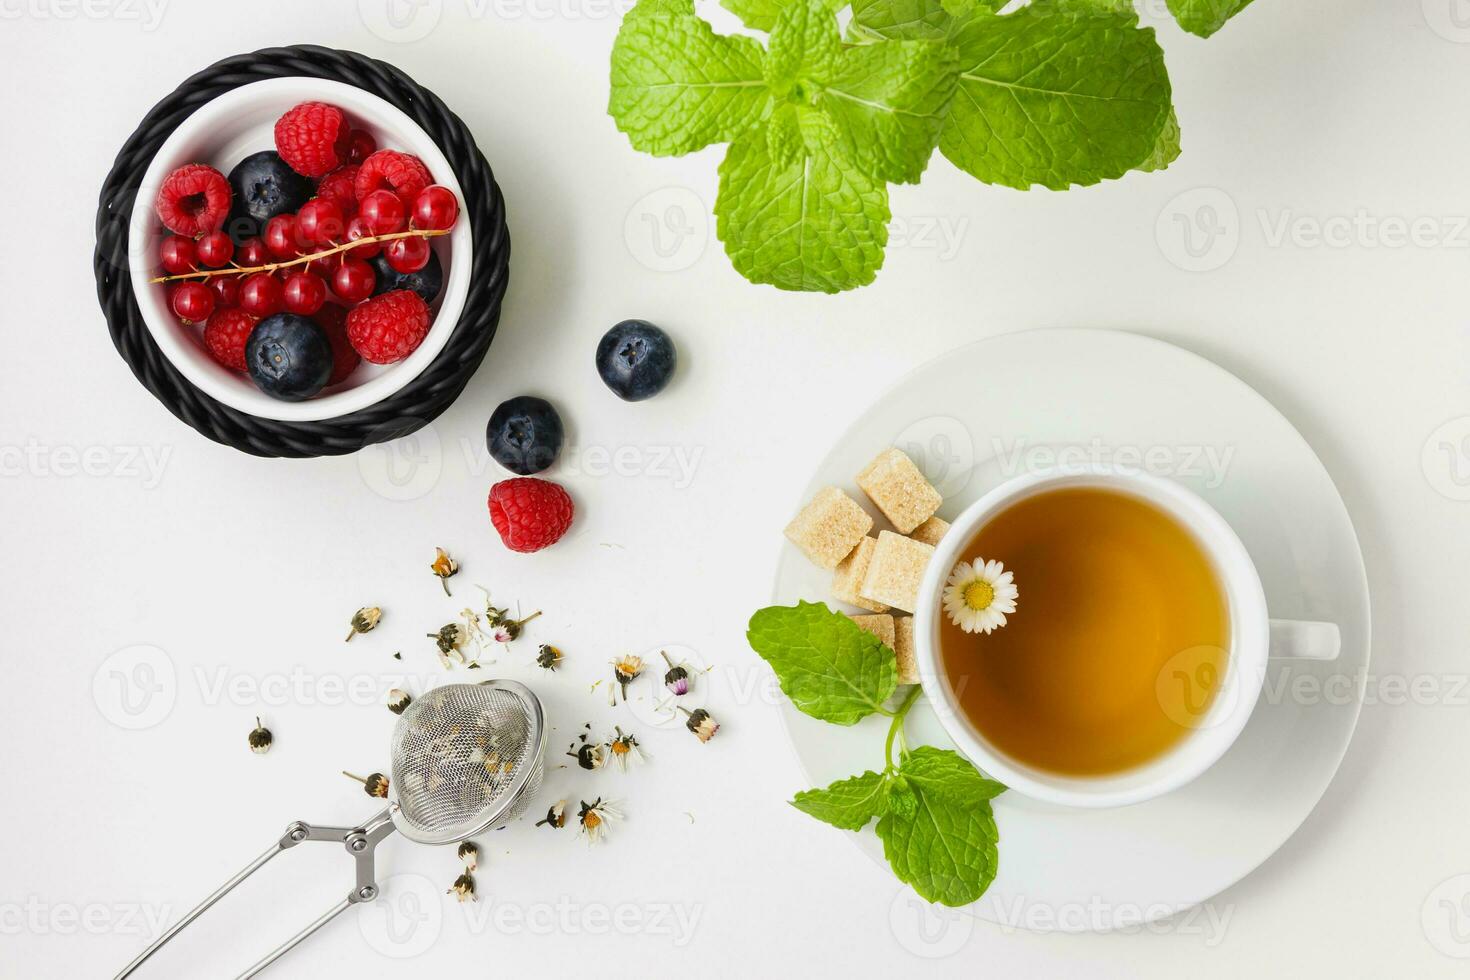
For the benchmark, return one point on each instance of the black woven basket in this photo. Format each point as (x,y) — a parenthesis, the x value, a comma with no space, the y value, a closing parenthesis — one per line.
(418,402)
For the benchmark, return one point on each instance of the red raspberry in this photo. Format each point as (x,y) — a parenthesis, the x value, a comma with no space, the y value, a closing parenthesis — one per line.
(389,170)
(333,319)
(313,138)
(388,328)
(193,200)
(530,514)
(338,187)
(225,335)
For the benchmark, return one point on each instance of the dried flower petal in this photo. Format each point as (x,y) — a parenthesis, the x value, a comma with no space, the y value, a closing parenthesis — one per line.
(625,750)
(589,755)
(260,738)
(398,701)
(365,620)
(594,818)
(463,888)
(443,566)
(556,816)
(548,656)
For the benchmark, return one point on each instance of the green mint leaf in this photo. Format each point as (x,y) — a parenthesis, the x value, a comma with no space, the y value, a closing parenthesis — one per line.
(816,223)
(1168,147)
(848,803)
(784,136)
(1054,95)
(761,15)
(678,86)
(828,666)
(913,20)
(946,845)
(888,102)
(1205,17)
(805,45)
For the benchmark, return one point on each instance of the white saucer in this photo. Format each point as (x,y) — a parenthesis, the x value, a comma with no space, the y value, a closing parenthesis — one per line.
(1092,392)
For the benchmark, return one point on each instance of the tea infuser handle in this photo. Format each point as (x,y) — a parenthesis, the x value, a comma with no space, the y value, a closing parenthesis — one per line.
(360,843)
(1300,640)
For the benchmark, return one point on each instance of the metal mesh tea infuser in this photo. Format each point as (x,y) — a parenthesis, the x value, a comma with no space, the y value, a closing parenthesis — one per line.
(464,758)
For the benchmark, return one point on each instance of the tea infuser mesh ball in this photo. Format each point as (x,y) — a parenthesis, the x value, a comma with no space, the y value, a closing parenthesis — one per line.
(463,758)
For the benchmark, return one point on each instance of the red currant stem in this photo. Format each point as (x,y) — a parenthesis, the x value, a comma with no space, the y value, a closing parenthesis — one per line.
(236,270)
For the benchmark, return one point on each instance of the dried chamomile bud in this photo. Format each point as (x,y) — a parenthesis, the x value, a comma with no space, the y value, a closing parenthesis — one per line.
(443,566)
(676,678)
(548,656)
(701,724)
(463,888)
(375,784)
(398,701)
(556,816)
(470,855)
(365,620)
(260,738)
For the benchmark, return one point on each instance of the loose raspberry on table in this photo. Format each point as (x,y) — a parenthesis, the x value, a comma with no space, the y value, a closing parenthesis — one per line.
(388,328)
(530,514)
(339,188)
(402,173)
(225,334)
(314,138)
(345,359)
(193,200)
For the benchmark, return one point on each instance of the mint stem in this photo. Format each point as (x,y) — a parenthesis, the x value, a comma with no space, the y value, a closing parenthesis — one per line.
(895,729)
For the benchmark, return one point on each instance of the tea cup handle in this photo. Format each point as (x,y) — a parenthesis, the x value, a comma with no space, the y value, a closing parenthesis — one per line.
(1300,640)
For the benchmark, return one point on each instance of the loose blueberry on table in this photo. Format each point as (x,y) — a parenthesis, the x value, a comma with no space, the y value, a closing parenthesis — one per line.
(525,434)
(309,258)
(636,360)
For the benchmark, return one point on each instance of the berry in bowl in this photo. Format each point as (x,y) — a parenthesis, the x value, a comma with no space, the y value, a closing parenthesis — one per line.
(298,250)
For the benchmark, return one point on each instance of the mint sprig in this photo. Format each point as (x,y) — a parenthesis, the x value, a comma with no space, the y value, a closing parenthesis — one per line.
(1058,93)
(932,807)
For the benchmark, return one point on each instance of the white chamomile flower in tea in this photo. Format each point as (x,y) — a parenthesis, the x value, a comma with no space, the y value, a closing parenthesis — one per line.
(978,597)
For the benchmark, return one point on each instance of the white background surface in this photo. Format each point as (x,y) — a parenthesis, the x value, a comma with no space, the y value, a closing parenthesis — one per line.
(243,572)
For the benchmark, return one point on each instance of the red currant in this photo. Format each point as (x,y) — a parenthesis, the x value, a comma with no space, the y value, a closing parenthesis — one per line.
(355,281)
(282,236)
(408,254)
(435,209)
(382,212)
(360,145)
(320,222)
(215,249)
(260,295)
(304,293)
(253,253)
(226,290)
(356,230)
(193,302)
(178,255)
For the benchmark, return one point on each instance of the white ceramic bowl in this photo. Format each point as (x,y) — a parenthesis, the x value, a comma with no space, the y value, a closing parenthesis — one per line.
(222,133)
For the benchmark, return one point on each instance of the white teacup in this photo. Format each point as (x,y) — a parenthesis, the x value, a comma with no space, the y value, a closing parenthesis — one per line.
(1254,638)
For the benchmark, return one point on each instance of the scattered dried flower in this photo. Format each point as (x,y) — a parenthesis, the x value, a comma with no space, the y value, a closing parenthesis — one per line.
(463,888)
(470,855)
(625,750)
(443,566)
(625,669)
(595,817)
(451,640)
(260,738)
(376,784)
(548,656)
(398,701)
(365,620)
(556,816)
(700,723)
(676,679)
(589,755)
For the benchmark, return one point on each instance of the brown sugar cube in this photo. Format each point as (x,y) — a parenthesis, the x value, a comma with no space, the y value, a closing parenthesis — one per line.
(848,578)
(894,483)
(930,531)
(896,570)
(903,646)
(880,626)
(828,528)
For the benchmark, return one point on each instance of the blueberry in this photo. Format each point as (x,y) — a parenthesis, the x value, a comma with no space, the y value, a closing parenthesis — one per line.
(524,435)
(636,360)
(264,186)
(426,282)
(289,357)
